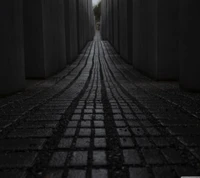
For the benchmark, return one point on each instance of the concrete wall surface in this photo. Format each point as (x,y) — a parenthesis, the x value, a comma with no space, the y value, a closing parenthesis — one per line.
(116,24)
(155,38)
(44,32)
(12,75)
(189,45)
(71,31)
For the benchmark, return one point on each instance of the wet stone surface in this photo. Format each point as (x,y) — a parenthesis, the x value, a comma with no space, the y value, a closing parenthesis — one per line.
(99,118)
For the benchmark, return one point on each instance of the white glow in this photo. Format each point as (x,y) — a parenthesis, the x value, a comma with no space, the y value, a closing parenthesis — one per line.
(95,2)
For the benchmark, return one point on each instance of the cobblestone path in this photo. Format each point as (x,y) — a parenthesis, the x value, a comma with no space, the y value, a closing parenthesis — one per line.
(99,118)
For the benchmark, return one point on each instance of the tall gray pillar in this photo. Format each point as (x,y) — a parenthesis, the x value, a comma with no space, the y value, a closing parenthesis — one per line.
(155,38)
(71,30)
(12,76)
(189,45)
(116,24)
(125,29)
(80,10)
(44,30)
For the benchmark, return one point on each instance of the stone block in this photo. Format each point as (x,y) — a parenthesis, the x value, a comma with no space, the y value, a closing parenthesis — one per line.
(155,38)
(116,25)
(12,75)
(71,30)
(189,45)
(44,33)
(125,30)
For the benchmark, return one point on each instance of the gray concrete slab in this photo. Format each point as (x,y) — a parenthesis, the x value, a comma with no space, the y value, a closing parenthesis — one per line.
(44,38)
(116,24)
(12,75)
(155,29)
(125,29)
(189,45)
(110,21)
(71,30)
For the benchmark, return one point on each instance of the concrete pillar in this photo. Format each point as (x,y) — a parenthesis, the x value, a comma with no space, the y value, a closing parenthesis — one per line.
(80,24)
(125,28)
(155,29)
(44,30)
(116,24)
(71,30)
(189,45)
(104,19)
(110,21)
(12,76)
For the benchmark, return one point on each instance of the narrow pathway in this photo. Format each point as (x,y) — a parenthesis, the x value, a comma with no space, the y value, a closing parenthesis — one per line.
(99,118)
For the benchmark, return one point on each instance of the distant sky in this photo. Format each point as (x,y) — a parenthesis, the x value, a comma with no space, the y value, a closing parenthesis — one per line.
(95,2)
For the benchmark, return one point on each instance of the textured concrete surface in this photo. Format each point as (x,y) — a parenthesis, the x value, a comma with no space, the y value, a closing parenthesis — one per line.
(156,30)
(44,34)
(71,32)
(12,74)
(116,25)
(100,118)
(125,30)
(189,46)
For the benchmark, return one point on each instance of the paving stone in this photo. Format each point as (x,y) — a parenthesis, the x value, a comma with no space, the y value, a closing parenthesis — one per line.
(126,142)
(100,132)
(79,158)
(143,142)
(152,156)
(118,116)
(76,173)
(17,160)
(190,141)
(44,117)
(138,131)
(131,156)
(40,124)
(160,141)
(88,111)
(184,130)
(78,111)
(99,158)
(85,132)
(72,124)
(22,144)
(164,172)
(83,143)
(99,117)
(185,171)
(152,131)
(100,142)
(130,117)
(133,123)
(58,159)
(70,132)
(123,132)
(87,117)
(98,123)
(139,173)
(85,124)
(99,111)
(172,156)
(76,117)
(65,143)
(120,123)
(99,173)
(53,174)
(12,174)
(31,133)
(147,123)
